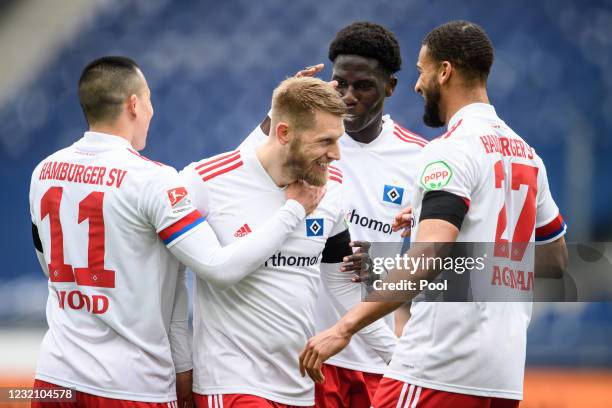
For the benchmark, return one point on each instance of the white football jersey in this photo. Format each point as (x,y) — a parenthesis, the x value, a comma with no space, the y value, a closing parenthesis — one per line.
(478,348)
(105,215)
(247,338)
(379,182)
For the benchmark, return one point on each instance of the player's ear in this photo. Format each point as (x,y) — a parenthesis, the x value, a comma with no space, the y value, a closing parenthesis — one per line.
(444,72)
(282,132)
(390,86)
(132,104)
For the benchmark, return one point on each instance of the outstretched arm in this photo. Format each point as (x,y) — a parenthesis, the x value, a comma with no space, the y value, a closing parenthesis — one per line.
(223,267)
(345,293)
(330,342)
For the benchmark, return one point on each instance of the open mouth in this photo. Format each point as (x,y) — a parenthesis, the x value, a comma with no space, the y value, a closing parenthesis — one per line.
(321,165)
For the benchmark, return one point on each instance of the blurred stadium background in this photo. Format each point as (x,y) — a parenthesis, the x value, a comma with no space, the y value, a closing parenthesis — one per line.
(212,66)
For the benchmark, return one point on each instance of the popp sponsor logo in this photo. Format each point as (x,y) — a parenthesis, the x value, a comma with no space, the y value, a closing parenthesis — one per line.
(436,175)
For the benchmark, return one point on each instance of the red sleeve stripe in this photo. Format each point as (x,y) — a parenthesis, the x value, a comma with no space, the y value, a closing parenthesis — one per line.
(135,153)
(550,230)
(408,133)
(339,180)
(208,167)
(335,168)
(180,227)
(209,176)
(221,157)
(409,140)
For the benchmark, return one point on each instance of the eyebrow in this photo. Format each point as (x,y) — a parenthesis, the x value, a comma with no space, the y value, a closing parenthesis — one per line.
(326,137)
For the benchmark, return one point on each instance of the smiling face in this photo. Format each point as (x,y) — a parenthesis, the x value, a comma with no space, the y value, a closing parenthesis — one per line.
(363,85)
(429,88)
(313,149)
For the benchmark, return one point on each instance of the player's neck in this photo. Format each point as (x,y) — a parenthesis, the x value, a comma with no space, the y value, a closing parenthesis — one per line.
(268,156)
(114,130)
(369,133)
(462,99)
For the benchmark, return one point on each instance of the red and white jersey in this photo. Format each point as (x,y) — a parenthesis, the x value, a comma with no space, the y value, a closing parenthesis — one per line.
(379,182)
(478,348)
(105,215)
(247,338)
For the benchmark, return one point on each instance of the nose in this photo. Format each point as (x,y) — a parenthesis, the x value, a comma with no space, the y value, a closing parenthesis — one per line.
(349,96)
(417,87)
(334,151)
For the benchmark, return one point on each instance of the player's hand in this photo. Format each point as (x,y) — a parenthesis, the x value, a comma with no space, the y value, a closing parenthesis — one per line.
(312,71)
(359,263)
(318,349)
(184,383)
(403,220)
(306,194)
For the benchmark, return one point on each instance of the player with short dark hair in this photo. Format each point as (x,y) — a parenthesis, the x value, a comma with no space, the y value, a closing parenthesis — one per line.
(368,40)
(110,227)
(104,85)
(480,181)
(473,56)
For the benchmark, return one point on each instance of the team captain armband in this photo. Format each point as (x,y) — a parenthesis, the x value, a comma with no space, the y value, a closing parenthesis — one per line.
(181,227)
(442,205)
(551,231)
(337,247)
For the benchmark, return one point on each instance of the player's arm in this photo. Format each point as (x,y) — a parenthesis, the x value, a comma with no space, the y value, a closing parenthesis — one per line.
(223,267)
(39,250)
(180,341)
(345,294)
(193,242)
(440,222)
(550,251)
(551,259)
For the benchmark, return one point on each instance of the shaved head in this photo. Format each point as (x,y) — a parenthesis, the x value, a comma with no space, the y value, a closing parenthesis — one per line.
(105,85)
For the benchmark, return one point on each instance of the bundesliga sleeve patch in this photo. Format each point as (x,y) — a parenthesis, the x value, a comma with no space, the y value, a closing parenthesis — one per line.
(179,200)
(436,176)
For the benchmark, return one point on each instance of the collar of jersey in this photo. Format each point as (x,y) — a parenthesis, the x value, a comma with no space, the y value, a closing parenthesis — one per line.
(387,129)
(250,159)
(473,109)
(106,139)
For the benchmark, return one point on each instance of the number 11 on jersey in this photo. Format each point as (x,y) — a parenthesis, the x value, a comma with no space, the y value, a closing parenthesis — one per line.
(90,208)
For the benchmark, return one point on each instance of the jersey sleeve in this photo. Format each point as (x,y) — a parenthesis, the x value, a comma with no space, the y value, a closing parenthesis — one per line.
(446,165)
(197,190)
(345,294)
(549,222)
(179,333)
(167,205)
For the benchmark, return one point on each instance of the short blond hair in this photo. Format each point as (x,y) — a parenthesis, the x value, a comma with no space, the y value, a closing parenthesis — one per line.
(296,101)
